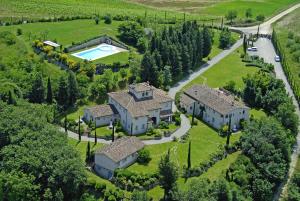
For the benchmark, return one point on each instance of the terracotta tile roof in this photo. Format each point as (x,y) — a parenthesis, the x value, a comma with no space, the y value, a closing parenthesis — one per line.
(121,148)
(215,99)
(140,107)
(102,110)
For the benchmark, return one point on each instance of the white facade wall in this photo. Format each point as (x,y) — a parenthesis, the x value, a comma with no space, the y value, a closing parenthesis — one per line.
(139,124)
(100,121)
(142,94)
(166,106)
(216,119)
(105,166)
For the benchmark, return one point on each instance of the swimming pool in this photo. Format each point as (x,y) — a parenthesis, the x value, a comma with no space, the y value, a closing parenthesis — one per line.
(98,52)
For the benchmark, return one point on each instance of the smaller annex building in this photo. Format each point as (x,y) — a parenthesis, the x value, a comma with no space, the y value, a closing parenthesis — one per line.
(214,106)
(119,154)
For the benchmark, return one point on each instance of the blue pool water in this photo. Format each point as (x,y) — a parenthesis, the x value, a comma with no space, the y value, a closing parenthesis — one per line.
(101,51)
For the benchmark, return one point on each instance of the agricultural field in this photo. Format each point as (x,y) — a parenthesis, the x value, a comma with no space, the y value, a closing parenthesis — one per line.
(220,7)
(47,8)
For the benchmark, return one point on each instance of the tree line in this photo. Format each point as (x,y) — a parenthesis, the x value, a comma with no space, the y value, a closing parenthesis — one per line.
(175,51)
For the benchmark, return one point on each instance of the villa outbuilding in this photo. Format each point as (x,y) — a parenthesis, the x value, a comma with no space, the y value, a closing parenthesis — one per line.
(119,154)
(214,106)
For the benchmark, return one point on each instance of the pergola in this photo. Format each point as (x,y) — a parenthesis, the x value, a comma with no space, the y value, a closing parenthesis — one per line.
(52,44)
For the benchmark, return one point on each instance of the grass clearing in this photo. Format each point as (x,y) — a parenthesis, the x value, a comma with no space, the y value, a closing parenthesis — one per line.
(65,32)
(229,68)
(205,141)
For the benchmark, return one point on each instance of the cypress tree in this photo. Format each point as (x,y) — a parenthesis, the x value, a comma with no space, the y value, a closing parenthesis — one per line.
(49,97)
(95,133)
(72,88)
(228,132)
(193,117)
(79,133)
(207,43)
(11,100)
(65,124)
(88,152)
(245,44)
(37,91)
(62,94)
(185,59)
(113,132)
(189,156)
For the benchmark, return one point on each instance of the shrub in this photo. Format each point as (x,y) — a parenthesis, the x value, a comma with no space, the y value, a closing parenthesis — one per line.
(107,19)
(163,125)
(144,156)
(19,32)
(195,123)
(158,135)
(260,18)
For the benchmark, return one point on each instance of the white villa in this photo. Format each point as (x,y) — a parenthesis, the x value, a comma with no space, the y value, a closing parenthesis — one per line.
(214,106)
(119,154)
(138,109)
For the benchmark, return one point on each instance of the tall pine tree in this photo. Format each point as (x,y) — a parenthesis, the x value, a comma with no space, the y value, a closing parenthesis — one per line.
(62,94)
(72,88)
(189,156)
(207,43)
(49,97)
(37,92)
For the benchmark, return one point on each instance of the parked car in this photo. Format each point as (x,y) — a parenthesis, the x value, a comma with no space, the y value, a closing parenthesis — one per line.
(277,58)
(254,49)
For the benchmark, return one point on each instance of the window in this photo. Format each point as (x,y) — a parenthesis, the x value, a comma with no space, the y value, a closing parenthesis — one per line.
(213,120)
(191,107)
(143,94)
(143,126)
(146,93)
(222,116)
(243,111)
(226,116)
(136,128)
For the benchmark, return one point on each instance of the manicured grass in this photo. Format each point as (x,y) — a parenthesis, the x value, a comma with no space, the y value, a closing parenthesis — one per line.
(205,141)
(213,173)
(156,193)
(220,167)
(257,113)
(229,68)
(65,32)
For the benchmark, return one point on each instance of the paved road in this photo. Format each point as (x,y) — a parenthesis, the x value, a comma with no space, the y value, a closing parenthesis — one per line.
(266,27)
(267,51)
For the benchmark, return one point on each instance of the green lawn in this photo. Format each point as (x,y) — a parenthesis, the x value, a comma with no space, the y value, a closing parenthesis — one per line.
(65,32)
(205,141)
(216,171)
(229,68)
(257,113)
